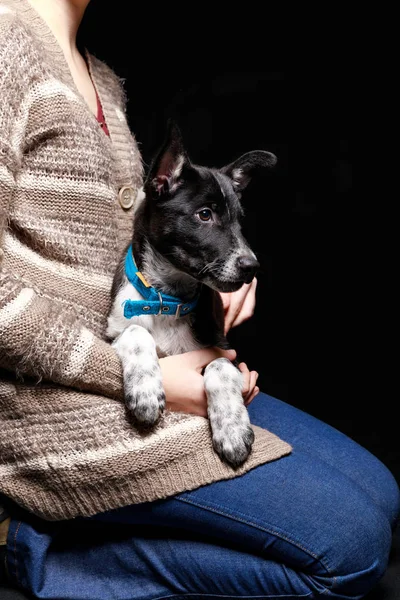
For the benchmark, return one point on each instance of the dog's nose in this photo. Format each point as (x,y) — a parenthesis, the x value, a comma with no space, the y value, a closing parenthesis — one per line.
(247,265)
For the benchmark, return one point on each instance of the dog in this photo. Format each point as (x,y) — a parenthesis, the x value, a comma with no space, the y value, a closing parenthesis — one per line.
(187,246)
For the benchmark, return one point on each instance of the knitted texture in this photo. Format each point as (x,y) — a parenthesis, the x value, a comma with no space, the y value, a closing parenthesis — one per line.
(67,445)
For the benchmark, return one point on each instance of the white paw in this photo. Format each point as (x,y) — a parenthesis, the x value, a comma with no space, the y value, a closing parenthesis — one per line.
(145,401)
(232,434)
(232,439)
(144,393)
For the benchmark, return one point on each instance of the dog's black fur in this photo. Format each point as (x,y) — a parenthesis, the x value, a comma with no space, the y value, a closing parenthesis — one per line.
(187,241)
(165,220)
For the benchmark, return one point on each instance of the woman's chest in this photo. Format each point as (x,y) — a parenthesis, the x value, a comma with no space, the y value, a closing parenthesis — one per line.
(70,198)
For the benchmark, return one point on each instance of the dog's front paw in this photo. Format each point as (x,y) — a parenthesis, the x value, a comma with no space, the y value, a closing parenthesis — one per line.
(232,434)
(146,401)
(233,442)
(144,393)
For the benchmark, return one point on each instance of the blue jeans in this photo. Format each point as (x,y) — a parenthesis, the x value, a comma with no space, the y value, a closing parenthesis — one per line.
(315,523)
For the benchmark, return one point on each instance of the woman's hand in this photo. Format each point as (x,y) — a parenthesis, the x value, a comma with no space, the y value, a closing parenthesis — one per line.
(239,306)
(250,390)
(184,383)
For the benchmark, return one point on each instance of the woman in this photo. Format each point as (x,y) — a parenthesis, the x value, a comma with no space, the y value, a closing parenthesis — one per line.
(98,510)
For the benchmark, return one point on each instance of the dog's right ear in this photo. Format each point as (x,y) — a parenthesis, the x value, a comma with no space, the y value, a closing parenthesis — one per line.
(242,170)
(166,170)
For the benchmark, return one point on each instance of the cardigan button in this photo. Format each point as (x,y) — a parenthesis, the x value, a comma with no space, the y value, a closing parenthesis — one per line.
(127,196)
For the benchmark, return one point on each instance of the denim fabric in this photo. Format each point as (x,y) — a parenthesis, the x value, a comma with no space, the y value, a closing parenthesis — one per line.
(315,523)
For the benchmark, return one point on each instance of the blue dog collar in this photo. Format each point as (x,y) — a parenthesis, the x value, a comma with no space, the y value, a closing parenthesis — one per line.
(155,302)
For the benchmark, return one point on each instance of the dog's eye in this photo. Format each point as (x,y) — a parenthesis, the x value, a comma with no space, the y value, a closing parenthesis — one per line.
(205,214)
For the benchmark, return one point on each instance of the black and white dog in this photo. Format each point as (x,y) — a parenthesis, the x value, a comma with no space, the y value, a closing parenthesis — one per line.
(187,246)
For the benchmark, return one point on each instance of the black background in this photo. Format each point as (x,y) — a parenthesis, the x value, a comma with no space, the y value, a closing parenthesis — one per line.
(242,77)
(234,84)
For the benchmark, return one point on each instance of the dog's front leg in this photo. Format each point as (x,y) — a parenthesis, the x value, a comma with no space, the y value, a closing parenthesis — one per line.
(144,393)
(229,420)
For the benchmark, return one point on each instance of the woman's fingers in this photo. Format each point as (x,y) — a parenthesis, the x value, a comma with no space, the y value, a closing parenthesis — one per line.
(253,381)
(246,379)
(234,305)
(252,396)
(249,382)
(226,300)
(248,305)
(239,306)
(232,302)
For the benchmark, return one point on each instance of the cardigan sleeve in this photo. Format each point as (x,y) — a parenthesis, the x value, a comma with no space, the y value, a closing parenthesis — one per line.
(39,337)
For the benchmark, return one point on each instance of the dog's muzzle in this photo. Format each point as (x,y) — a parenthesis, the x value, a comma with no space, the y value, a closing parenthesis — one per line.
(247,266)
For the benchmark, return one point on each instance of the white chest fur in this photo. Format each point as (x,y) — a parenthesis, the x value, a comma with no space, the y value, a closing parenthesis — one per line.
(172,336)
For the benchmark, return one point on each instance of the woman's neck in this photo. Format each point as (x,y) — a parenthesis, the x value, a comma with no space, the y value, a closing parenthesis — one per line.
(63,18)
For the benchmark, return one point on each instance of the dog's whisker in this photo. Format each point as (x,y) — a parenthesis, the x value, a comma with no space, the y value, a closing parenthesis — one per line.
(209,266)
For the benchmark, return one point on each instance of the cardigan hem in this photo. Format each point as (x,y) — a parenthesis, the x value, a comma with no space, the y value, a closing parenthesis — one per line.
(183,474)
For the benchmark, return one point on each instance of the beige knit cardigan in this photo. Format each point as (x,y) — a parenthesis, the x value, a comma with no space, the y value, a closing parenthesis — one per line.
(67,447)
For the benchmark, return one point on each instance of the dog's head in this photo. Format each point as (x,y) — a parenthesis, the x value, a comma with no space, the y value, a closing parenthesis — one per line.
(192,214)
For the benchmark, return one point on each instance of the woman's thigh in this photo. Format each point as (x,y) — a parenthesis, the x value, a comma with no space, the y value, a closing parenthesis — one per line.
(318,439)
(303,525)
(315,511)
(87,561)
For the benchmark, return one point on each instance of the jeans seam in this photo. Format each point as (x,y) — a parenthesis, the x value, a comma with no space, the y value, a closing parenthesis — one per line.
(15,552)
(192,595)
(217,509)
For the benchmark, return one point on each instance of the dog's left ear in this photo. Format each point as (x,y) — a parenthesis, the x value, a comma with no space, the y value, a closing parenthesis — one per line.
(166,170)
(243,169)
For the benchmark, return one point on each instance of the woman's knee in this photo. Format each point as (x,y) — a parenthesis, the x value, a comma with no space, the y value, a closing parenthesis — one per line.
(363,544)
(386,492)
(324,443)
